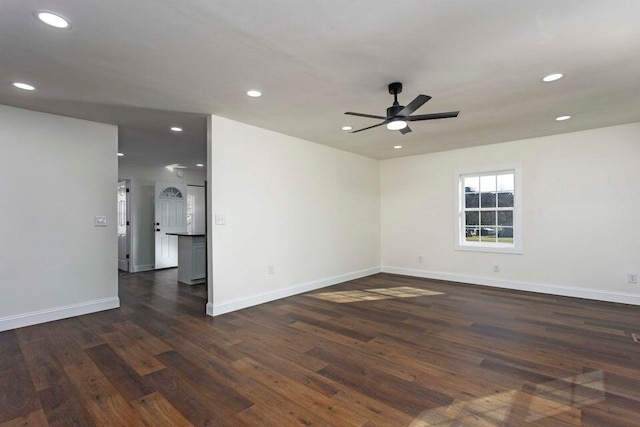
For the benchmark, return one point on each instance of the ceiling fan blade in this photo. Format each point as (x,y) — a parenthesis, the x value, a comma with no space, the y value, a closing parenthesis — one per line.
(365,115)
(405,130)
(434,116)
(414,105)
(370,127)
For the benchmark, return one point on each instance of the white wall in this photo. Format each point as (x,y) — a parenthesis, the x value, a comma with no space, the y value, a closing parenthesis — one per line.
(581,215)
(143,179)
(309,210)
(58,173)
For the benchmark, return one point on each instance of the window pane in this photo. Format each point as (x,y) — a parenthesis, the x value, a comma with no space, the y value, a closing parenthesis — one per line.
(488,234)
(472,234)
(471,200)
(505,182)
(488,183)
(488,200)
(472,184)
(190,203)
(488,218)
(505,235)
(505,218)
(505,200)
(471,218)
(505,232)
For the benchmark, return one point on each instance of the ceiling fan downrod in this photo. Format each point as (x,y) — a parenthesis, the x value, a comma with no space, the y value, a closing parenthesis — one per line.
(394,89)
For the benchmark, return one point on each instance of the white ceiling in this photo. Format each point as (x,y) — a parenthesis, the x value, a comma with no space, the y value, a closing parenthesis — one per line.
(150,64)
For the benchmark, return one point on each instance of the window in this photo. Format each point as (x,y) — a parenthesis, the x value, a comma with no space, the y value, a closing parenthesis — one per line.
(190,213)
(488,212)
(171,193)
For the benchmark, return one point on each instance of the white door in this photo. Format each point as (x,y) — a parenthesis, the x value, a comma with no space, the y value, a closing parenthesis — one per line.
(171,217)
(123,225)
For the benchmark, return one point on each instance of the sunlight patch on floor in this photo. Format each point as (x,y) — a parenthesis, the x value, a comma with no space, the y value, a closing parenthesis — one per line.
(560,399)
(373,294)
(404,292)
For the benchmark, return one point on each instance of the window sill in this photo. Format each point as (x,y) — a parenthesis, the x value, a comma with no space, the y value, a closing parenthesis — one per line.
(506,249)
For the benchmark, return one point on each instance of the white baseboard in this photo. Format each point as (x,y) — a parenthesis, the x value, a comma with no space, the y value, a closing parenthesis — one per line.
(49,315)
(240,303)
(143,267)
(542,288)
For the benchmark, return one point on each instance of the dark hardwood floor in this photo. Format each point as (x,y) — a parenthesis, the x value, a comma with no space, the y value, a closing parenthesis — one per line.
(379,351)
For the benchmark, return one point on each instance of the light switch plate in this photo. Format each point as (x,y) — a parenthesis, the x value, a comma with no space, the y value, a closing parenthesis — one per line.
(100,221)
(220,219)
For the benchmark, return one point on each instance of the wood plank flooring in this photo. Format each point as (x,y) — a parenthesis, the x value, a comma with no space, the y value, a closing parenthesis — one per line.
(385,350)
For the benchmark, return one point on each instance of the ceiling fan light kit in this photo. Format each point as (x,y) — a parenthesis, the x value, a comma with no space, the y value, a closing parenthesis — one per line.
(396,124)
(398,116)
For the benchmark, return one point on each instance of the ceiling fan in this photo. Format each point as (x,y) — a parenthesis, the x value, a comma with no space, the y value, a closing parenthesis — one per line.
(398,115)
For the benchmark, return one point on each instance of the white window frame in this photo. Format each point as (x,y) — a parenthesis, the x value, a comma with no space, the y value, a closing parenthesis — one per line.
(459,227)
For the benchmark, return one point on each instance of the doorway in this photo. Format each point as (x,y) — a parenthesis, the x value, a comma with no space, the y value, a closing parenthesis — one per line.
(170,217)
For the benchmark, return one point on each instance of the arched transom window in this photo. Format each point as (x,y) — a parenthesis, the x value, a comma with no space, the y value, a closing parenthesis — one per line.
(171,193)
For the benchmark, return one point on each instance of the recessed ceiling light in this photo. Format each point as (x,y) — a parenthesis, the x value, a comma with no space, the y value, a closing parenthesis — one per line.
(199,165)
(176,129)
(254,93)
(53,19)
(397,147)
(552,77)
(561,118)
(23,86)
(120,154)
(346,128)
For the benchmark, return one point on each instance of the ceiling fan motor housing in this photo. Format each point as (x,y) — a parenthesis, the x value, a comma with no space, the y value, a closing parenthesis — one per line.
(394,110)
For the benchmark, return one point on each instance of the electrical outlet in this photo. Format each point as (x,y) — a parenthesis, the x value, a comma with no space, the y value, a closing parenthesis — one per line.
(496,268)
(420,259)
(272,269)
(633,277)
